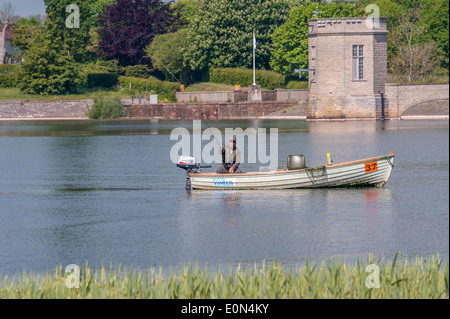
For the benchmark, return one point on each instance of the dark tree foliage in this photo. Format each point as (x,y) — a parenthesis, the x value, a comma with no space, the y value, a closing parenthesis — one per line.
(128,26)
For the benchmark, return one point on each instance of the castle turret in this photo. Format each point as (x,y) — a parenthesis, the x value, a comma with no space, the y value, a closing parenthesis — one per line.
(348,58)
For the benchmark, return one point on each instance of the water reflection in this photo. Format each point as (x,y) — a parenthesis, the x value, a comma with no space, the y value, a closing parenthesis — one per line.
(133,127)
(300,221)
(156,126)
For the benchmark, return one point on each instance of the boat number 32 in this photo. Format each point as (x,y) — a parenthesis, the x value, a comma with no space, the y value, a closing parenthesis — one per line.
(371,167)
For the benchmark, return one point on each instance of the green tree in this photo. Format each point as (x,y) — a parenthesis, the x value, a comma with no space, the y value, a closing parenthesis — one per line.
(24,32)
(77,38)
(436,17)
(290,41)
(187,8)
(166,54)
(220,34)
(433,18)
(392,10)
(414,58)
(48,69)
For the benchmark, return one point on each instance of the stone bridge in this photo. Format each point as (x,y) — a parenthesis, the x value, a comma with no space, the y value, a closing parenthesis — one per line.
(400,97)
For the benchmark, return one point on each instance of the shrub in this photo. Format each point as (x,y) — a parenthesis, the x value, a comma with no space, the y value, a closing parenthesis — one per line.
(297,85)
(106,107)
(105,80)
(100,66)
(108,66)
(270,80)
(8,80)
(267,79)
(9,69)
(166,89)
(8,75)
(138,71)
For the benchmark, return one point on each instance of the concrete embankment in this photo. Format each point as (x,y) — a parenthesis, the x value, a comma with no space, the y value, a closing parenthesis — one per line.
(57,110)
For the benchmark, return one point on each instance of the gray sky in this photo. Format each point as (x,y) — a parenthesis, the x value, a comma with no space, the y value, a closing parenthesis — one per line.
(25,8)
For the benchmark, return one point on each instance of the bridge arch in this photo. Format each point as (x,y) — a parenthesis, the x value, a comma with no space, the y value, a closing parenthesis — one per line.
(422,107)
(402,97)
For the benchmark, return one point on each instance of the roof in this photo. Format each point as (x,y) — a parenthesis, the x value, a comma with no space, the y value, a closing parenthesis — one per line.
(9,30)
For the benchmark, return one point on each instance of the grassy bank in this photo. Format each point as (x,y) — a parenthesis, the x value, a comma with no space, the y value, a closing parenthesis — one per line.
(16,94)
(399,278)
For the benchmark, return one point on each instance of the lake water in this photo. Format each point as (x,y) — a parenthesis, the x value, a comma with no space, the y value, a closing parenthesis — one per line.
(106,192)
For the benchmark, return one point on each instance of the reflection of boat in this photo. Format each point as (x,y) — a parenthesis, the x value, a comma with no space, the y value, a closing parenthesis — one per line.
(373,171)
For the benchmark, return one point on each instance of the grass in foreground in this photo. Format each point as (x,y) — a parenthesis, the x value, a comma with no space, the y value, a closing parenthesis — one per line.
(400,278)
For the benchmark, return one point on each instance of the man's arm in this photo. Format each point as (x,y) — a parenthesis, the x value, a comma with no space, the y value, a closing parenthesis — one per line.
(236,160)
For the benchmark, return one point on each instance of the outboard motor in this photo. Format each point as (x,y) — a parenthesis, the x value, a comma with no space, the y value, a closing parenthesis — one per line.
(188,163)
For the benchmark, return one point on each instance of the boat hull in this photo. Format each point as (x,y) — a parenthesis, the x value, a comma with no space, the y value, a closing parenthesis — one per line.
(370,172)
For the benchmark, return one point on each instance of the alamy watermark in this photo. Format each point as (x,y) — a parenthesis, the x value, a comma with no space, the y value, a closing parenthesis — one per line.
(258,143)
(373,280)
(73,279)
(73,20)
(373,19)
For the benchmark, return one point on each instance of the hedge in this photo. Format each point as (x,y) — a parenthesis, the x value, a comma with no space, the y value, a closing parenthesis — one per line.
(297,85)
(9,68)
(105,80)
(8,80)
(244,77)
(138,85)
(138,71)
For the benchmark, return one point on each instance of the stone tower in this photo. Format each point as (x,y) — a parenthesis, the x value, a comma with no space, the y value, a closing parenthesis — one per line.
(348,67)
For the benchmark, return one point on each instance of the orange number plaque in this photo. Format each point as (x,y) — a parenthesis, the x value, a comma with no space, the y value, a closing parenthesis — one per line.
(371,167)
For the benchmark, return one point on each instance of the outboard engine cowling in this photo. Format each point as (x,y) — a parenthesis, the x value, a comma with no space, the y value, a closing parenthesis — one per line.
(187,162)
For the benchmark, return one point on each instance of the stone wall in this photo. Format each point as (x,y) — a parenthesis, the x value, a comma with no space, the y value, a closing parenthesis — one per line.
(17,109)
(400,97)
(279,95)
(205,96)
(212,111)
(397,98)
(292,95)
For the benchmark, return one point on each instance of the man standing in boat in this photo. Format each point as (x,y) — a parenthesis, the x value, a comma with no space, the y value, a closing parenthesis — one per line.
(231,158)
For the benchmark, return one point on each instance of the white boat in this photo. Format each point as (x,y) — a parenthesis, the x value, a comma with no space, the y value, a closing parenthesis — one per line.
(372,172)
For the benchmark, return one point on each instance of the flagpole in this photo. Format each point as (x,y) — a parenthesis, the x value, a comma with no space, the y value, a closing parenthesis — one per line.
(254,47)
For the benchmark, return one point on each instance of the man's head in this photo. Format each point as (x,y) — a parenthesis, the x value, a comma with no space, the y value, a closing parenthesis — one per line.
(232,141)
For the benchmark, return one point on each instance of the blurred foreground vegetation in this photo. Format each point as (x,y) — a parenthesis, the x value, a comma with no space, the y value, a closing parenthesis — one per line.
(398,278)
